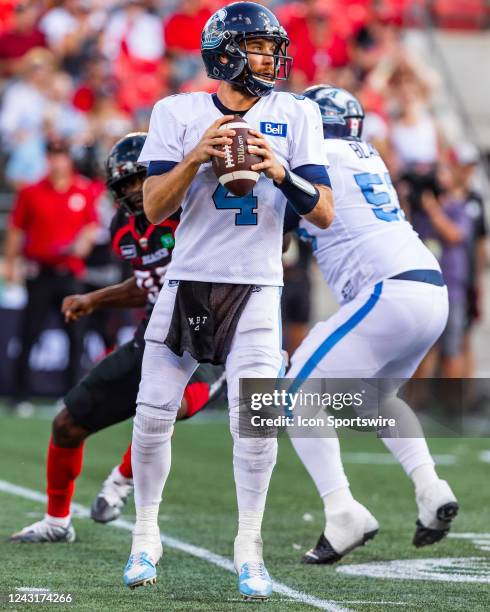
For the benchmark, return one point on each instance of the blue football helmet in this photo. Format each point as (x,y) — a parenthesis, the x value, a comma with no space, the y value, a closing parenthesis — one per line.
(224,46)
(342,113)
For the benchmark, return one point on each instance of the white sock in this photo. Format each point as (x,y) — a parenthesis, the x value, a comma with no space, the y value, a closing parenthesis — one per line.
(253,462)
(423,476)
(248,542)
(321,458)
(58,521)
(150,454)
(409,452)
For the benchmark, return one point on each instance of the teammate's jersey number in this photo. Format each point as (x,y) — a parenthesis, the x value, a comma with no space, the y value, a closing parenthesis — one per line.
(247,205)
(378,197)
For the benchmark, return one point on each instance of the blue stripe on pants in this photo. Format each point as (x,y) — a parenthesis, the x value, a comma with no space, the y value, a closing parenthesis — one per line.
(334,338)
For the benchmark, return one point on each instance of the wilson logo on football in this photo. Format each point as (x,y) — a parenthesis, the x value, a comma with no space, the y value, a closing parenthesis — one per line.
(234,171)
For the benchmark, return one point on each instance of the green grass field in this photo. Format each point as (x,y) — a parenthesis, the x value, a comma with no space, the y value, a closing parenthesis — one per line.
(199,509)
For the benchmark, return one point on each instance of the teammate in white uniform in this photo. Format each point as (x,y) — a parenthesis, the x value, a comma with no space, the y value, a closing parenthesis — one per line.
(222,240)
(393,307)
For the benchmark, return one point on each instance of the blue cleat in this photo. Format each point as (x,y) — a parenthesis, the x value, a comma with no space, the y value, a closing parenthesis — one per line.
(254,581)
(140,570)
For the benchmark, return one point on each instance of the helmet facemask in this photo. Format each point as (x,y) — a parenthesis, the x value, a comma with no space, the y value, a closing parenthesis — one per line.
(254,82)
(237,69)
(125,195)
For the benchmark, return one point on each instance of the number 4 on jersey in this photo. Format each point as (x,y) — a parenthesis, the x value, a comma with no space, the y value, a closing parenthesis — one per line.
(247,205)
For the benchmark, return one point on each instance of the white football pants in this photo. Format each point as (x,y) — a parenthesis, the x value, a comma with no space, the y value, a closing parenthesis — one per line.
(255,353)
(384,332)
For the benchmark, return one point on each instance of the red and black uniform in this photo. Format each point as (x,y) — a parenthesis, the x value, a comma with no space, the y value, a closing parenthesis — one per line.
(51,220)
(147,248)
(107,395)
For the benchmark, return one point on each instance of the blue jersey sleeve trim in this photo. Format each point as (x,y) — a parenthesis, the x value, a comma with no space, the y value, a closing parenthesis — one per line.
(317,175)
(156,168)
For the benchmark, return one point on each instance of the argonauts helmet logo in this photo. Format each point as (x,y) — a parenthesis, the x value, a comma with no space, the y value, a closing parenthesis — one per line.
(214,29)
(331,112)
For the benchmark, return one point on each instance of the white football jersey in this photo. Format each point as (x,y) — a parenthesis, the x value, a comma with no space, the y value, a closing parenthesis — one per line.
(221,237)
(369,239)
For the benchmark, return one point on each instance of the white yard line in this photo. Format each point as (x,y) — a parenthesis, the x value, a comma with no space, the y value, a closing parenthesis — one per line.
(366,458)
(376,603)
(195,551)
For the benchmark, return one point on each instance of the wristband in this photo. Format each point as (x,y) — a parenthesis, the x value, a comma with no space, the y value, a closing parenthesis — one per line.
(301,194)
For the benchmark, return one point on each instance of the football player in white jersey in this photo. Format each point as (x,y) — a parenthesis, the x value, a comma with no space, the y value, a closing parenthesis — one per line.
(393,308)
(226,247)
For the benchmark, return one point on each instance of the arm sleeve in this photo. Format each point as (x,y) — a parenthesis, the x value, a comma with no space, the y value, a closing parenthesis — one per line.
(156,168)
(306,145)
(317,175)
(165,135)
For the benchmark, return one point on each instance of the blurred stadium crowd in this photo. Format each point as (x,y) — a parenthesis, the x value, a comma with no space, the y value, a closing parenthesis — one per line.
(76,75)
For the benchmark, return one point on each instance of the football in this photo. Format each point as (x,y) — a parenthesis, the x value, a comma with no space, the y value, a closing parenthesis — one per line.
(234,170)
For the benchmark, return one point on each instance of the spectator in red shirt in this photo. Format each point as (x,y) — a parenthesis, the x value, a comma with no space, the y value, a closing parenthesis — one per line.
(183,28)
(316,44)
(23,36)
(53,225)
(183,40)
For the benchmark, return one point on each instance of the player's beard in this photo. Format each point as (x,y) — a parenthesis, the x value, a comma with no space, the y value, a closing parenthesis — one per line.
(241,89)
(133,202)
